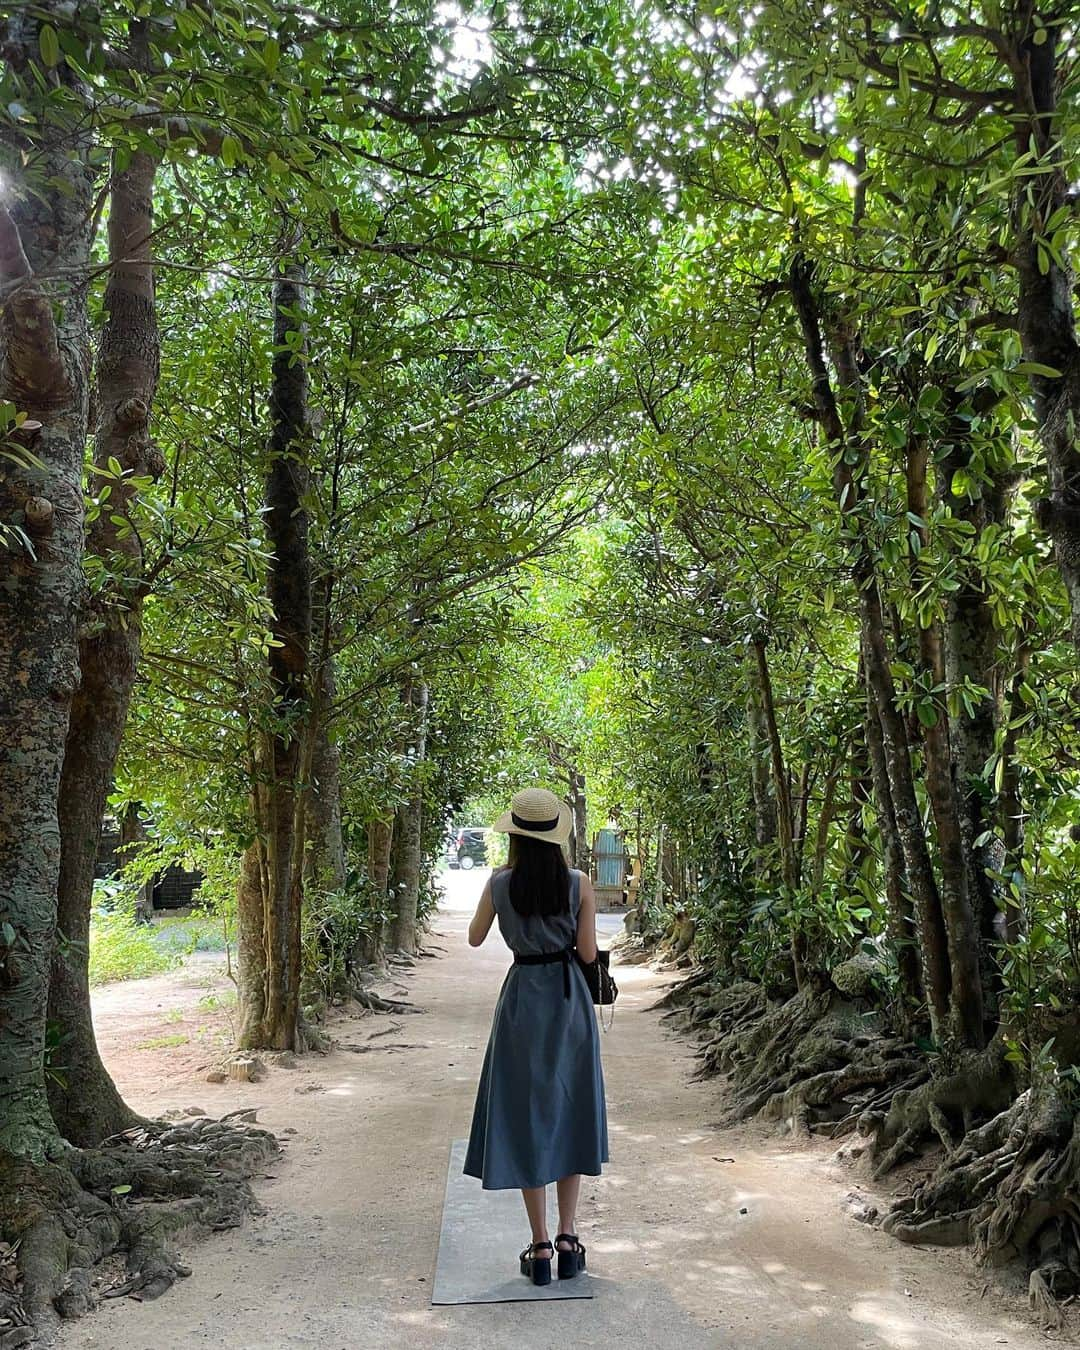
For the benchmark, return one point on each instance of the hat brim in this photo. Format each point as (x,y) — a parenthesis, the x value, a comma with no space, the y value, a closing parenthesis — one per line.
(559,835)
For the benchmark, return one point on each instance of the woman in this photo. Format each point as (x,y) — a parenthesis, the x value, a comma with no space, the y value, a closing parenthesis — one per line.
(540,1114)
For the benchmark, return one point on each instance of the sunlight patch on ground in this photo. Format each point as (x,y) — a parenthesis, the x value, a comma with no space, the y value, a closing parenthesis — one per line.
(893,1329)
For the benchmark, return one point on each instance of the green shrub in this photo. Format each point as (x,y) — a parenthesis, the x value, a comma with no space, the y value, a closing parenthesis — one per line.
(121,949)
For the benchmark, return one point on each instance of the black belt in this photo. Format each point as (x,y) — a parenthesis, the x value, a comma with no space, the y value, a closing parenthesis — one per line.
(546,959)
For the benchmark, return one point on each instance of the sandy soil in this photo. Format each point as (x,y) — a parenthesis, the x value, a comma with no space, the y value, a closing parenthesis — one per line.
(688,1249)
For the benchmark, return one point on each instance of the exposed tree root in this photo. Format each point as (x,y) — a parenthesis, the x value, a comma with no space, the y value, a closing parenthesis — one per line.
(1012,1189)
(133,1195)
(310,1039)
(810,1061)
(376,1003)
(950,1105)
(682,993)
(630,950)
(1008,1181)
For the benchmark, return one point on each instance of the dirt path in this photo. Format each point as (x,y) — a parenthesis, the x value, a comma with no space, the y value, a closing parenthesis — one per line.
(345,1254)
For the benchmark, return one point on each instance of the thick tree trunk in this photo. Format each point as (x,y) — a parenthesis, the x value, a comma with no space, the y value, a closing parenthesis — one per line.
(953,859)
(972,651)
(931,930)
(280,796)
(43,338)
(380,840)
(87,1106)
(251,974)
(405,882)
(1046,309)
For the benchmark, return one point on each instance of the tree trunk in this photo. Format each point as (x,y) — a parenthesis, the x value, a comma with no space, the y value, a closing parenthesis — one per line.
(324,861)
(251,975)
(132,834)
(44,374)
(845,442)
(900,918)
(857,850)
(380,840)
(371,947)
(962,934)
(281,795)
(1046,311)
(408,828)
(1010,802)
(824,823)
(972,651)
(765,823)
(87,1106)
(782,795)
(578,805)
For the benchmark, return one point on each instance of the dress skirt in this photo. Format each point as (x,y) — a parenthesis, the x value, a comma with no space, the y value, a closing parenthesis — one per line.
(540,1112)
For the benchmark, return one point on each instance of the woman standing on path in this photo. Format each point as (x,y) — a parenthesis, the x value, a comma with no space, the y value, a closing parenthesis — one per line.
(540,1114)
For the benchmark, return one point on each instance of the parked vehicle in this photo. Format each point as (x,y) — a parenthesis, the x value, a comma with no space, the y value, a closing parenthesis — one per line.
(469,848)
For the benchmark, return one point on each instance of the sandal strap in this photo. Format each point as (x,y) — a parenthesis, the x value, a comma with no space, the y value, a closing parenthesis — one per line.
(532,1247)
(569,1237)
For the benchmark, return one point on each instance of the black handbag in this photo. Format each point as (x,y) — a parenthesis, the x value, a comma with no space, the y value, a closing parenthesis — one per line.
(598,977)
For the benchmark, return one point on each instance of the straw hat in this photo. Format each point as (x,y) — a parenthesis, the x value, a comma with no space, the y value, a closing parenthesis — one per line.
(537,814)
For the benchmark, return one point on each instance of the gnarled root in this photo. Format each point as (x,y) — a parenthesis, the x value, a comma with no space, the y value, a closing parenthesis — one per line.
(980,1085)
(133,1195)
(1012,1189)
(811,1061)
(685,991)
(809,1100)
(376,1003)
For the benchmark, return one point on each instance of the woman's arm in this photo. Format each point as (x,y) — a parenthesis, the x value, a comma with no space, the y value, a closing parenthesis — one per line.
(586,924)
(483,918)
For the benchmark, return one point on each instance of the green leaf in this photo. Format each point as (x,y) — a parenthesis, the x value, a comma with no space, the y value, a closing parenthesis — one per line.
(49,45)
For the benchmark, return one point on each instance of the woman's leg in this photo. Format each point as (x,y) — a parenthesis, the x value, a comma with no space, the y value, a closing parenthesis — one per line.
(536,1207)
(569,1189)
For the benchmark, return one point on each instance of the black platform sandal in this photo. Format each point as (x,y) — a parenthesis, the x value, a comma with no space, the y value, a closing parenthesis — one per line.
(538,1268)
(571,1263)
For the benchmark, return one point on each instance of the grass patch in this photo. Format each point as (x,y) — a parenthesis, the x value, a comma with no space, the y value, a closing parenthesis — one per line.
(212,1001)
(162,1042)
(188,932)
(121,949)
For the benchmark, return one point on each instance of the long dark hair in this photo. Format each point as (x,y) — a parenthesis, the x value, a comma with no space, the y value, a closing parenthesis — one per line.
(539,877)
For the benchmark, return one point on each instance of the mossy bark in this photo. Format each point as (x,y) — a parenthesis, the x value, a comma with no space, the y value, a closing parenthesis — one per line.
(44,373)
(86,1104)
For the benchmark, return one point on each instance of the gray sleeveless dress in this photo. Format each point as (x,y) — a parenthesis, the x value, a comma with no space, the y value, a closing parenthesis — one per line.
(540,1112)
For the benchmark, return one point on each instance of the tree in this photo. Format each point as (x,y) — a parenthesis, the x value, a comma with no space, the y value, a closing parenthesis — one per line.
(46,398)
